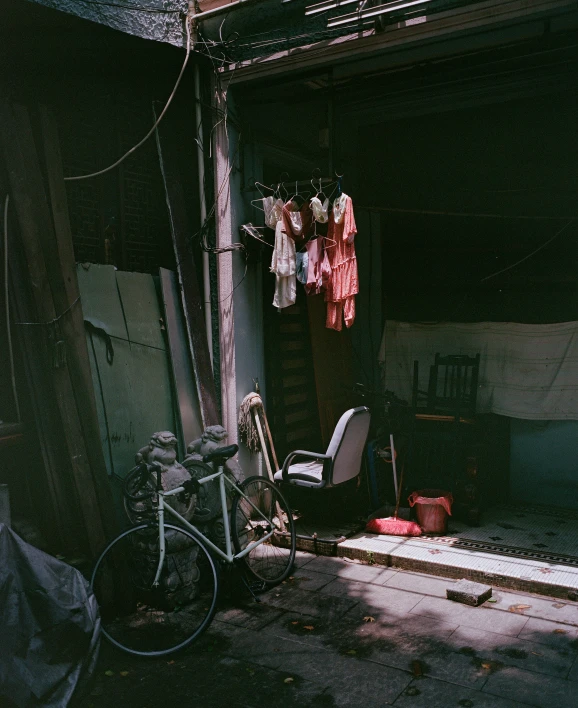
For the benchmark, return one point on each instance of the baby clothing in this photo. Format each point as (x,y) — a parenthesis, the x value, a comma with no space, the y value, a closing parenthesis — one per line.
(318,267)
(273,209)
(283,264)
(301,266)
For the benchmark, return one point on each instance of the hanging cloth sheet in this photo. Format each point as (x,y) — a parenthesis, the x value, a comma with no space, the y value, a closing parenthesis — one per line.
(283,264)
(344,284)
(527,371)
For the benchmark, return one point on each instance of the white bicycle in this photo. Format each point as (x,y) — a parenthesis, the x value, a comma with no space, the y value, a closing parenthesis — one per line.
(157,583)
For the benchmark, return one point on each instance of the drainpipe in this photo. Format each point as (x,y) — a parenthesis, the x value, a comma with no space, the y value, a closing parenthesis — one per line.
(203,207)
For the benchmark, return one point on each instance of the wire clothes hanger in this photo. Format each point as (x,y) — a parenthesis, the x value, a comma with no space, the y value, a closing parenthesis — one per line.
(255,202)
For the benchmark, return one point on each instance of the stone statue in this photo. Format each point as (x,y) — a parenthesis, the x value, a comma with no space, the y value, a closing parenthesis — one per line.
(181,575)
(162,448)
(208,514)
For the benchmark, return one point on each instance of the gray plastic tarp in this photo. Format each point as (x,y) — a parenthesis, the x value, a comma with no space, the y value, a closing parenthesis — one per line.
(49,626)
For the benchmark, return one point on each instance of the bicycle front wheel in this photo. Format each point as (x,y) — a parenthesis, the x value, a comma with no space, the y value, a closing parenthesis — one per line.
(145,619)
(260,512)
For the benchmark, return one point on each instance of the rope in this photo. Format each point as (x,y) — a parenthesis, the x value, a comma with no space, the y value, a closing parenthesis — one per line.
(55,320)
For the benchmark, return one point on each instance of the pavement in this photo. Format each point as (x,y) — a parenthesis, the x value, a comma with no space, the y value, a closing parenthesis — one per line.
(344,634)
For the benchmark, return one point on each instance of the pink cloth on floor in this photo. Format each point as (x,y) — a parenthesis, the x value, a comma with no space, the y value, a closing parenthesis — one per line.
(344,283)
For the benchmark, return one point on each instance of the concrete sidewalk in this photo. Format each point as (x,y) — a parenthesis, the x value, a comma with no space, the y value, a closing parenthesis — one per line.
(343,634)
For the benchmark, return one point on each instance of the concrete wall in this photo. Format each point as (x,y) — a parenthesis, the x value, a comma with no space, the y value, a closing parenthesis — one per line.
(544,462)
(247,291)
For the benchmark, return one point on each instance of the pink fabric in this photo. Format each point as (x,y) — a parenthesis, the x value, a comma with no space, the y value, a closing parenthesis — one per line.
(344,284)
(431,497)
(394,527)
(318,267)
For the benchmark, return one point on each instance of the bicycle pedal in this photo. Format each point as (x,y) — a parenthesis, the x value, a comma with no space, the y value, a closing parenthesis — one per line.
(253,587)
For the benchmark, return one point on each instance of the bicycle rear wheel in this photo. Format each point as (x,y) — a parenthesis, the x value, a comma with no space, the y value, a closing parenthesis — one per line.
(145,620)
(264,511)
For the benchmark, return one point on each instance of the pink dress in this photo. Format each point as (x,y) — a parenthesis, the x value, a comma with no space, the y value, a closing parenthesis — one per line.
(344,284)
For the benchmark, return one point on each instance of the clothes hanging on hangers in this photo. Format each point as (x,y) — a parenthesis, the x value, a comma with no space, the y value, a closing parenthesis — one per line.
(320,210)
(283,265)
(318,267)
(302,265)
(273,209)
(343,284)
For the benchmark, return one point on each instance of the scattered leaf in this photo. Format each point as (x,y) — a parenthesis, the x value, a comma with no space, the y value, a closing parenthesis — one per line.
(289,680)
(412,691)
(351,652)
(123,673)
(291,577)
(308,627)
(519,609)
(172,661)
(277,594)
(537,653)
(492,600)
(109,673)
(486,666)
(369,619)
(558,605)
(295,622)
(416,668)
(560,631)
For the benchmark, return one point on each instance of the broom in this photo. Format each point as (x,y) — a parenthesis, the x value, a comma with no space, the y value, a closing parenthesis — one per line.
(393,525)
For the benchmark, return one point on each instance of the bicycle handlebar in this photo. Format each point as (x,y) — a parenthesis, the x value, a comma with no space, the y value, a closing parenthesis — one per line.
(142,479)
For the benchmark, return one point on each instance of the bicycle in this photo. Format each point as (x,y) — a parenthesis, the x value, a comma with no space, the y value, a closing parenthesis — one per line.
(157,583)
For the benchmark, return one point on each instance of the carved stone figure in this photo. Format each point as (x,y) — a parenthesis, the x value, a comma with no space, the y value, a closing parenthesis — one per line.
(181,574)
(162,448)
(208,514)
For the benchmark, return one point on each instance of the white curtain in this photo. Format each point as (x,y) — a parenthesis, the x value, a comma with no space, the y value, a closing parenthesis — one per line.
(526,371)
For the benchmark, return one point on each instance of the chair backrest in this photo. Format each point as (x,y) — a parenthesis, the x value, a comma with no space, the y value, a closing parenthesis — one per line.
(453,384)
(347,444)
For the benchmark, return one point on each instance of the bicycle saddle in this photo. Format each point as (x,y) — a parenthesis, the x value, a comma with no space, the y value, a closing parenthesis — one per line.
(221,454)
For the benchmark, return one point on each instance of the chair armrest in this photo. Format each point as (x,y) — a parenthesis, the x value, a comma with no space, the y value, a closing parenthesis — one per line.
(303,453)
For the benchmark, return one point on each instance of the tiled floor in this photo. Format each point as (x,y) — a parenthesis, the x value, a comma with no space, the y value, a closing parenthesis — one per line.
(525,548)
(538,530)
(342,634)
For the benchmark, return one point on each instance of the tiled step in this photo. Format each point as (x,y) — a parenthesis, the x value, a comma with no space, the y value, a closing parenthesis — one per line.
(445,559)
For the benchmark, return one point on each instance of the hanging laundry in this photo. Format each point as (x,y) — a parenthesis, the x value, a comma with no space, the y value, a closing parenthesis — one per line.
(273,209)
(283,265)
(292,221)
(344,284)
(320,210)
(318,266)
(307,220)
(302,266)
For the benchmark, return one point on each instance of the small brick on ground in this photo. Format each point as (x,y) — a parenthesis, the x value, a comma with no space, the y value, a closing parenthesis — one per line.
(469,593)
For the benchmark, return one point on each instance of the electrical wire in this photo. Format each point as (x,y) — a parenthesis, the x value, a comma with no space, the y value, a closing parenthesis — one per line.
(533,253)
(156,123)
(7,304)
(136,8)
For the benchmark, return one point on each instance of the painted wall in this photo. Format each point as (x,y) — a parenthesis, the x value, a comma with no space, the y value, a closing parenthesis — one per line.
(247,294)
(544,462)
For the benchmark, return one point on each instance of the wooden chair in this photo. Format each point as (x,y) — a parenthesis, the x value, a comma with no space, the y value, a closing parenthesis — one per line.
(448,405)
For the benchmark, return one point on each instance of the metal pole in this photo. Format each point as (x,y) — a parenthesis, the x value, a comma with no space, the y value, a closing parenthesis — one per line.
(203,209)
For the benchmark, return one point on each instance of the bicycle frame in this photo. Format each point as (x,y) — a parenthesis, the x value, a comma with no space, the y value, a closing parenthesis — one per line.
(228,556)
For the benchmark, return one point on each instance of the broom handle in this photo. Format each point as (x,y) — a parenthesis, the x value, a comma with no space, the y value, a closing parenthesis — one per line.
(267,462)
(393,465)
(270,437)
